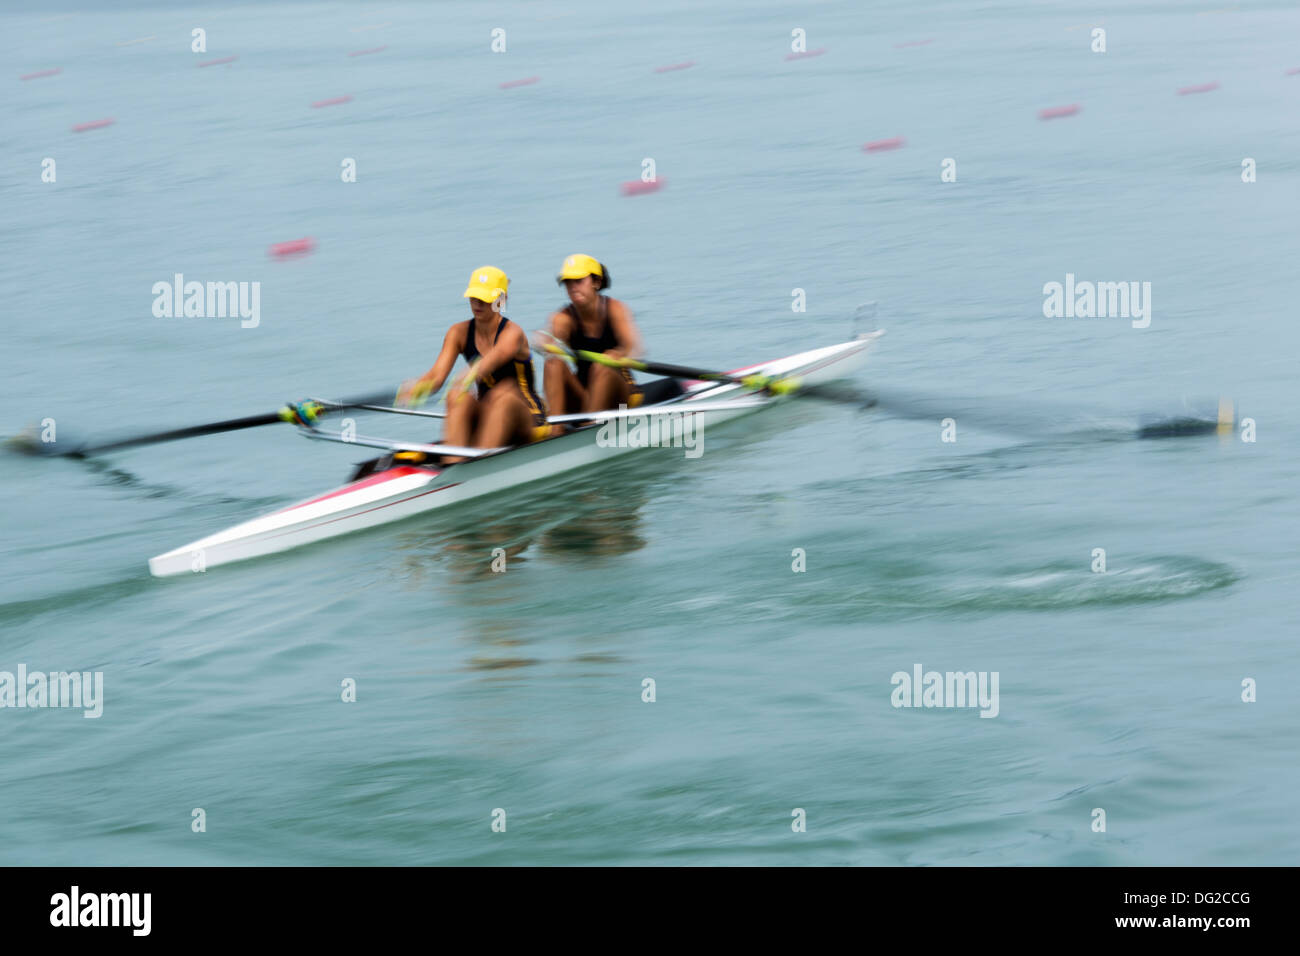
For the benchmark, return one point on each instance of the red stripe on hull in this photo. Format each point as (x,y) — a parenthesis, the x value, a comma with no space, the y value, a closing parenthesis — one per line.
(387,504)
(400,472)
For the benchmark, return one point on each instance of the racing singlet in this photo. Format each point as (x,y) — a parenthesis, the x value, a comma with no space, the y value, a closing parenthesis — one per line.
(522,369)
(600,343)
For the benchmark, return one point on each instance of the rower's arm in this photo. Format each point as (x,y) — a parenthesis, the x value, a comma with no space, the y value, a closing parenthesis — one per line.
(432,380)
(625,330)
(561,325)
(512,343)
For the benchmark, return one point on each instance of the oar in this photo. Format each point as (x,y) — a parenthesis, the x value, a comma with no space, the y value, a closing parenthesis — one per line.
(775,384)
(299,413)
(1040,419)
(1041,422)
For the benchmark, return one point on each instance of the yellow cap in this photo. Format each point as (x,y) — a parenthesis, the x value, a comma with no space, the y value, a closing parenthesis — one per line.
(578,266)
(487,284)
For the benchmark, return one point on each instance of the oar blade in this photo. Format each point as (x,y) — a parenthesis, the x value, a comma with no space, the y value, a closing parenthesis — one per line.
(1222,419)
(30,442)
(1046,420)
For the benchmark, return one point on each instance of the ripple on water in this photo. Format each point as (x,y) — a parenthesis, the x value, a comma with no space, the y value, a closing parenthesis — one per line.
(926,587)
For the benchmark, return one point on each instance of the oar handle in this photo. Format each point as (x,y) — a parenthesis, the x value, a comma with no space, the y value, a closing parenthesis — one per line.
(612,361)
(774,384)
(653,368)
(463,384)
(547,344)
(675,371)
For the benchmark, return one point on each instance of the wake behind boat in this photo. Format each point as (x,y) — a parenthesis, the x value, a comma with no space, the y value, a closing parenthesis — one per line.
(401,485)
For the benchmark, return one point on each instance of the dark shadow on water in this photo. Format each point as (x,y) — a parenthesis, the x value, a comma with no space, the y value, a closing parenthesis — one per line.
(585,518)
(111,474)
(585,522)
(497,559)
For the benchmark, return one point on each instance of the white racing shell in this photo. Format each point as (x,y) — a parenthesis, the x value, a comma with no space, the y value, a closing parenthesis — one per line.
(406,490)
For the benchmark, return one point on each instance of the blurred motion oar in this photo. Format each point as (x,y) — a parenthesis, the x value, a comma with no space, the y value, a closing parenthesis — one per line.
(1043,421)
(299,413)
(1037,419)
(776,384)
(1224,422)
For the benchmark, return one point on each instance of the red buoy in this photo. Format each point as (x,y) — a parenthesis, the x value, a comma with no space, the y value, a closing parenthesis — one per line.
(880,145)
(671,67)
(527,81)
(1198,88)
(1056,112)
(40,73)
(637,187)
(294,247)
(1294,71)
(332,101)
(93,124)
(805,54)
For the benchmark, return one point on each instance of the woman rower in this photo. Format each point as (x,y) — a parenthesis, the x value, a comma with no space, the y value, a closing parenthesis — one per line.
(506,409)
(593,322)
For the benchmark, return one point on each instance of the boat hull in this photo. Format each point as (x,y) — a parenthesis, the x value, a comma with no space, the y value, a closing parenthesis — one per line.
(404,491)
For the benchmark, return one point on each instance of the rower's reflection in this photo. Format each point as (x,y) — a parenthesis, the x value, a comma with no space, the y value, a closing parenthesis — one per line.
(498,648)
(492,568)
(606,528)
(596,524)
(586,522)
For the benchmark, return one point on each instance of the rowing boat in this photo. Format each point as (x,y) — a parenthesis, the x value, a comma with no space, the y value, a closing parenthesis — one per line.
(402,490)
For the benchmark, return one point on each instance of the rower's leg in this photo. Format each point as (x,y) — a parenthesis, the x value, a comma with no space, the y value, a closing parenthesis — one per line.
(606,388)
(506,419)
(564,393)
(458,426)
